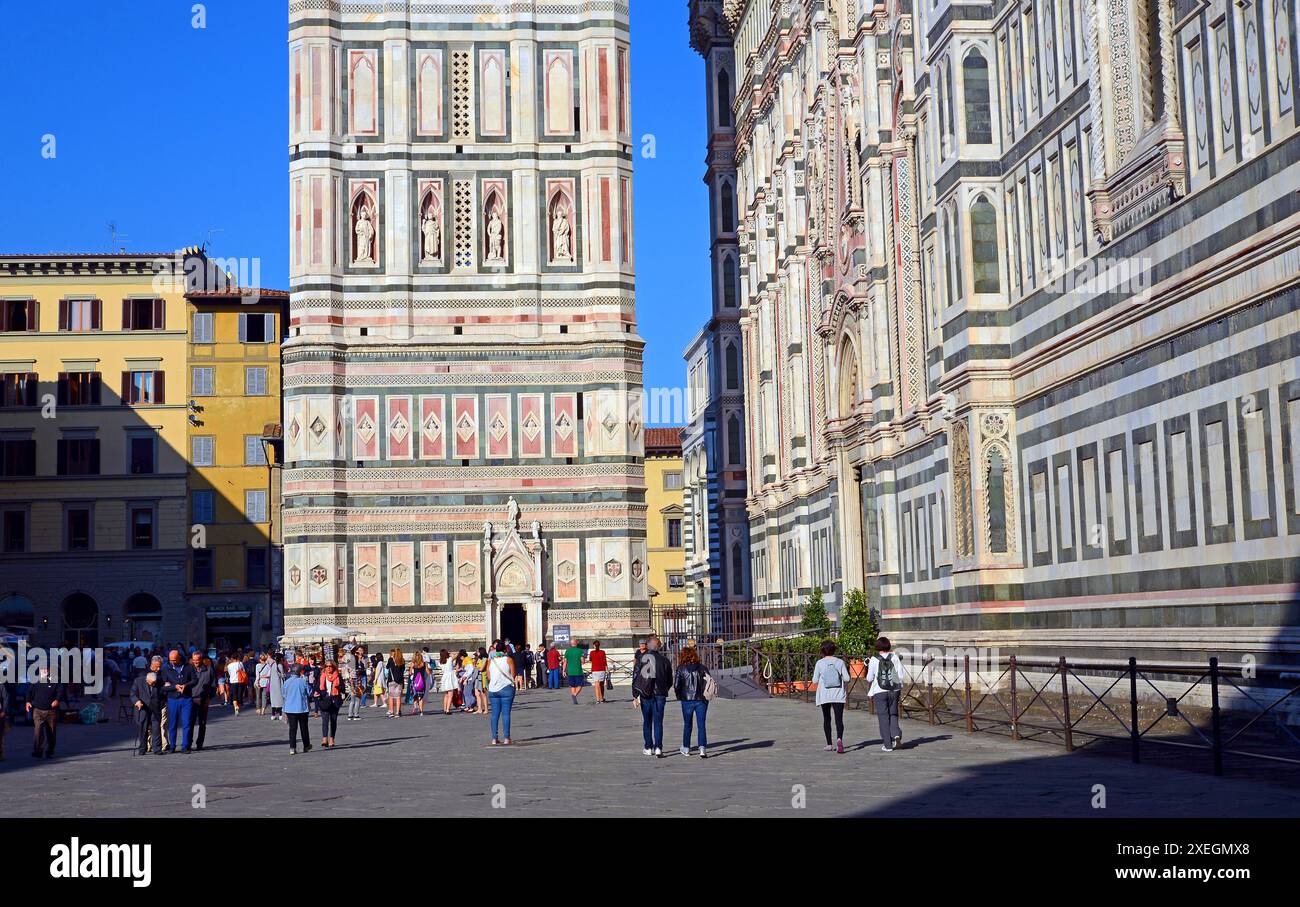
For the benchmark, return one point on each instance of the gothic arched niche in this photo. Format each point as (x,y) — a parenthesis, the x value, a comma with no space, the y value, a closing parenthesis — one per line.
(431,226)
(848,394)
(430,95)
(364,84)
(559,219)
(365,228)
(494,229)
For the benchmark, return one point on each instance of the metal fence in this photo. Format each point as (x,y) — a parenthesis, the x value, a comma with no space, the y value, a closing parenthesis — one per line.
(1219,710)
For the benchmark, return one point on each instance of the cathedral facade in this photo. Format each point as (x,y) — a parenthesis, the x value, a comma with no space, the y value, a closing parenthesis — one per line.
(1021,322)
(463,392)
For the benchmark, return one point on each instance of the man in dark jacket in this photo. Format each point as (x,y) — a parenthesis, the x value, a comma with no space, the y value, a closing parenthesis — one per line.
(147,697)
(651,681)
(43,700)
(205,685)
(6,704)
(178,679)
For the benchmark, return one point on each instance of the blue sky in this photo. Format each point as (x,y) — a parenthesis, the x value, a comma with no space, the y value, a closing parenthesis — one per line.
(178,135)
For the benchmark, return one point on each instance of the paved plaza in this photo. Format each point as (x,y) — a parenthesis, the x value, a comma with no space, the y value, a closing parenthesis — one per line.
(766,756)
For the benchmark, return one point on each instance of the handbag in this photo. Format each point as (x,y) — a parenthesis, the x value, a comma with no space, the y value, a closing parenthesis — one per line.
(710,688)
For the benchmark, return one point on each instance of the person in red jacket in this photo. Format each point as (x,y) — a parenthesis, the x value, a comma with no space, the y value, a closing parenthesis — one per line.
(552,668)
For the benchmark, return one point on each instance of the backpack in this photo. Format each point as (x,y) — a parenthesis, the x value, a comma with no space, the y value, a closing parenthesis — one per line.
(417,682)
(710,688)
(826,677)
(886,676)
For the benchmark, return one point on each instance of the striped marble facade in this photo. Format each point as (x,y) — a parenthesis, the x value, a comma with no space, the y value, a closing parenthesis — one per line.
(463,393)
(1022,319)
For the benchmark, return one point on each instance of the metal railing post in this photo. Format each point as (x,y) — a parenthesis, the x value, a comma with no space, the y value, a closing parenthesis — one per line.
(970,723)
(1015,703)
(1065,706)
(929,691)
(1215,722)
(1134,734)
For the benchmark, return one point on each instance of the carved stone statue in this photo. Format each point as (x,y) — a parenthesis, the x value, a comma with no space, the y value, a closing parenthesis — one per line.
(560,231)
(431,235)
(496,237)
(512,513)
(537,531)
(365,234)
(487,531)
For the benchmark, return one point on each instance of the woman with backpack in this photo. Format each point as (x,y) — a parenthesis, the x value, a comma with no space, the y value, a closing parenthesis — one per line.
(419,682)
(829,674)
(886,674)
(694,687)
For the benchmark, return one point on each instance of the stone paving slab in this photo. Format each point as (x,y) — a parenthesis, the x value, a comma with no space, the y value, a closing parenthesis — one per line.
(766,758)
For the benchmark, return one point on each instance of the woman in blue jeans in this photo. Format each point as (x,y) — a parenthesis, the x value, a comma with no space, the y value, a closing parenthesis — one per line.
(501,691)
(689,684)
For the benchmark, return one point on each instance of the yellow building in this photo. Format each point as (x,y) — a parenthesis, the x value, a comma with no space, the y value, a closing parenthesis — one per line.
(234,480)
(663,479)
(92,447)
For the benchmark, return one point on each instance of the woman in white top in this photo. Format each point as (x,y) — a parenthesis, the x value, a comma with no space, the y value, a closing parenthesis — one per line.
(886,675)
(500,690)
(830,675)
(448,682)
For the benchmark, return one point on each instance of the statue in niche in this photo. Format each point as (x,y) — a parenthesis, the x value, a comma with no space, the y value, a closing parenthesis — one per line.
(561,249)
(496,231)
(512,513)
(487,531)
(364,230)
(431,235)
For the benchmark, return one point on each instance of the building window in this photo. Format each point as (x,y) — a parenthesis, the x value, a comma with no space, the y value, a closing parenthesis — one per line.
(142,387)
(19,389)
(724,99)
(203,327)
(13,532)
(735,453)
(256,327)
(255,575)
(727,200)
(255,381)
(142,528)
(18,315)
(18,457)
(733,367)
(203,507)
(673,481)
(141,453)
(975,85)
(255,506)
(77,315)
(78,457)
(674,532)
(730,282)
(77,520)
(984,246)
(143,314)
(201,382)
(202,569)
(737,571)
(203,450)
(80,389)
(254,452)
(676,581)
